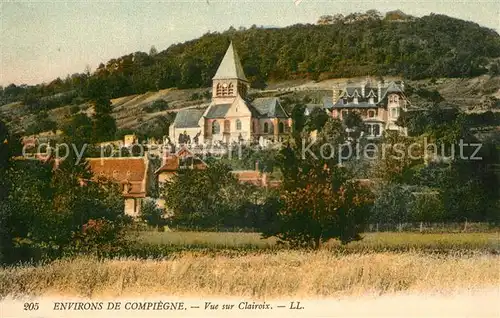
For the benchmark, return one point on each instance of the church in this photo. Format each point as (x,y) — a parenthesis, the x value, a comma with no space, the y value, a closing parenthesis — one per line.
(230,116)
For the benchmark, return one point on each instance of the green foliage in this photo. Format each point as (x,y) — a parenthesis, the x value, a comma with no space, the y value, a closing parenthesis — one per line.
(103,128)
(298,119)
(212,198)
(78,128)
(391,204)
(42,123)
(319,199)
(49,209)
(317,119)
(152,214)
(353,121)
(157,106)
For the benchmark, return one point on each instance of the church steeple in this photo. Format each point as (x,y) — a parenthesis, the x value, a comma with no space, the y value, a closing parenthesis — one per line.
(230,79)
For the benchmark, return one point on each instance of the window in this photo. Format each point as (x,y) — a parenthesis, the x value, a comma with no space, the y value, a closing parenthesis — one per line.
(371,113)
(281,128)
(227,125)
(253,126)
(230,89)
(344,113)
(394,112)
(224,89)
(371,101)
(376,130)
(355,100)
(266,128)
(219,90)
(238,124)
(215,127)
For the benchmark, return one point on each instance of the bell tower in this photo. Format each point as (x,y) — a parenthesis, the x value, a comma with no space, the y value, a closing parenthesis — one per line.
(229,80)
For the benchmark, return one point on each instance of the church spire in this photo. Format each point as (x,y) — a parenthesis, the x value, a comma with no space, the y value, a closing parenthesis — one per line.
(230,67)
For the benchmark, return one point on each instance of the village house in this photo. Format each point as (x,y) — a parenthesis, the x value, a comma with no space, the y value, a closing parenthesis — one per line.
(230,117)
(173,162)
(379,105)
(133,174)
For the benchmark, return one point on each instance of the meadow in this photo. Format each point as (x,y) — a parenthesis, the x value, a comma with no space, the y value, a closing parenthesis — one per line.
(371,242)
(242,264)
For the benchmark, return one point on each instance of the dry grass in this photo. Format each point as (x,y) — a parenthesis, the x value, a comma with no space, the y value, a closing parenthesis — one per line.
(261,275)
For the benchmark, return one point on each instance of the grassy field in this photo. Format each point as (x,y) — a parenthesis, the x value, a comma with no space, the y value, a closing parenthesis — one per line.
(259,275)
(383,241)
(242,264)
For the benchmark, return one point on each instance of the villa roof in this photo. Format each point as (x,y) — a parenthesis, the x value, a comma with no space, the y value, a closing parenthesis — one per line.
(349,92)
(230,67)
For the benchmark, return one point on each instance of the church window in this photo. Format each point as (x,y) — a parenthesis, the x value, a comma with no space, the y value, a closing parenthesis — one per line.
(266,128)
(219,90)
(224,89)
(238,124)
(215,127)
(230,89)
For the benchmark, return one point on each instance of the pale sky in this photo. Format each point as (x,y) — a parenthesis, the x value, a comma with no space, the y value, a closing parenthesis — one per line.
(43,40)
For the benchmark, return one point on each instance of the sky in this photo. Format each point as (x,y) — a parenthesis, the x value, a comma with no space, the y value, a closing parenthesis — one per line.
(43,40)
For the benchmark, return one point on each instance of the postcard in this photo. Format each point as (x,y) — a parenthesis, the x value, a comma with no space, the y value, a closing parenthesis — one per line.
(206,158)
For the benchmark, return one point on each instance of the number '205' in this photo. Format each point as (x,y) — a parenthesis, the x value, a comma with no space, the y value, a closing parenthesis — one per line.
(30,306)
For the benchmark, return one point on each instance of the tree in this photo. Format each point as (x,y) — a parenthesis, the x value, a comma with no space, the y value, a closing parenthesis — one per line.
(353,121)
(211,198)
(330,207)
(317,119)
(103,128)
(153,51)
(320,200)
(152,214)
(392,204)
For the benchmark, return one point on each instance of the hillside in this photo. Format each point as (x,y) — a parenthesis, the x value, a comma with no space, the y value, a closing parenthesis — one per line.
(477,94)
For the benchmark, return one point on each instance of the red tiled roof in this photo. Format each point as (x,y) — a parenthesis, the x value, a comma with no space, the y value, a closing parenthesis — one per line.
(119,169)
(171,162)
(129,172)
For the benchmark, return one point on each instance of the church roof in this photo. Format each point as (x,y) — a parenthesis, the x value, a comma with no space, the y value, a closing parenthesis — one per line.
(187,118)
(218,110)
(269,107)
(230,67)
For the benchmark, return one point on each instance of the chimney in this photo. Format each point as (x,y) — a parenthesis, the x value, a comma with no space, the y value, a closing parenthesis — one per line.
(402,86)
(335,93)
(379,92)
